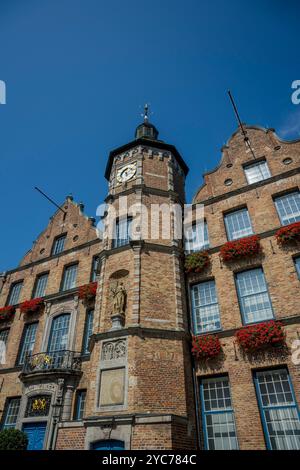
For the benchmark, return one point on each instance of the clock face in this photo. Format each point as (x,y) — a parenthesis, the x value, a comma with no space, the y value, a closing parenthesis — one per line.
(126,173)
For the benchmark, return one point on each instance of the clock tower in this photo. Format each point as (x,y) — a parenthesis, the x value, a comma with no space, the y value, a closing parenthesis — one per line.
(141,392)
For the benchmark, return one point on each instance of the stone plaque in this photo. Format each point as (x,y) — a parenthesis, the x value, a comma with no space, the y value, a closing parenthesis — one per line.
(112,387)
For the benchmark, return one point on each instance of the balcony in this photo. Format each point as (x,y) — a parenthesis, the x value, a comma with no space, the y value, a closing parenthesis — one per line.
(66,362)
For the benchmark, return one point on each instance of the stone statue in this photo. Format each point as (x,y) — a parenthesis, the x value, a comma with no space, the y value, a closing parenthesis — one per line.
(119,299)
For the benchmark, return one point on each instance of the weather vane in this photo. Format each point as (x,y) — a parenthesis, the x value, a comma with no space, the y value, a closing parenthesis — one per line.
(146,112)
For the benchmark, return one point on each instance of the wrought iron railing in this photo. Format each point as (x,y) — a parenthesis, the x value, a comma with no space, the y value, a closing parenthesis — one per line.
(52,361)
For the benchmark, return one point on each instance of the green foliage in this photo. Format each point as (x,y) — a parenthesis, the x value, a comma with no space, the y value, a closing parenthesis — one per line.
(13,439)
(196,262)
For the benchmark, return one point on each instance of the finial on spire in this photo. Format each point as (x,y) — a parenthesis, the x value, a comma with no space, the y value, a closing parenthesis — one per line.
(146,109)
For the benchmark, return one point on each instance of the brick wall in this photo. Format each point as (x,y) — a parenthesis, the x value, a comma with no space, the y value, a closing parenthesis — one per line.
(152,436)
(70,438)
(277,263)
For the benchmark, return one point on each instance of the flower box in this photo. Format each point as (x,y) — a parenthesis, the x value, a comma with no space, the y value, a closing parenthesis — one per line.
(196,262)
(206,346)
(260,336)
(88,291)
(6,313)
(289,233)
(242,248)
(32,306)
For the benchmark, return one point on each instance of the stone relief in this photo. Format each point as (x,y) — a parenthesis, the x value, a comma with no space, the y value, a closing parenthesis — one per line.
(112,350)
(40,387)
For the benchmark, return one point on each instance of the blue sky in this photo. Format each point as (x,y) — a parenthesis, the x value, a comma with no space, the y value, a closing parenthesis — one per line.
(77,72)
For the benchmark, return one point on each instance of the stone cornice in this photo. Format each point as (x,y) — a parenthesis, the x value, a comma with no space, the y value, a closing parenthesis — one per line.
(141,332)
(159,144)
(137,418)
(248,187)
(292,320)
(50,258)
(147,190)
(145,246)
(262,235)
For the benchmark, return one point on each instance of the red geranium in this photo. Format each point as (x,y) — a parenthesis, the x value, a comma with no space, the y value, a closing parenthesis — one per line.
(196,262)
(206,346)
(88,291)
(7,312)
(261,335)
(31,306)
(288,234)
(244,247)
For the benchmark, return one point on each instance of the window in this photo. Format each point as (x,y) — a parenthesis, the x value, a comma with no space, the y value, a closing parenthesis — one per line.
(40,286)
(257,172)
(3,340)
(297,264)
(14,294)
(95,266)
(238,224)
(218,416)
(253,296)
(88,330)
(288,208)
(196,237)
(58,338)
(122,232)
(59,244)
(278,409)
(79,404)
(27,342)
(206,315)
(4,335)
(69,277)
(11,412)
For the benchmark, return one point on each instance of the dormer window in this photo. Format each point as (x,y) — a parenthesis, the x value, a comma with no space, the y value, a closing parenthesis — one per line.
(59,244)
(257,172)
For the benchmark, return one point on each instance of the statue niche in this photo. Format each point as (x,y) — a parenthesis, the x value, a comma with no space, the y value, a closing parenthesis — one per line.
(118,299)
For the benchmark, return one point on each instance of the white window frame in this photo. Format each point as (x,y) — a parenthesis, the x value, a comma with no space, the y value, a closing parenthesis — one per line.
(260,295)
(202,313)
(263,171)
(224,414)
(233,223)
(65,280)
(196,237)
(287,218)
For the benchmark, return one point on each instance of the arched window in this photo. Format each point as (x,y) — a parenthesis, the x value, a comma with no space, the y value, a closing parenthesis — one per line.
(58,338)
(110,444)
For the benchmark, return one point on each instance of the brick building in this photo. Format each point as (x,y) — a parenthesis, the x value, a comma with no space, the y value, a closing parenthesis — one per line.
(113,369)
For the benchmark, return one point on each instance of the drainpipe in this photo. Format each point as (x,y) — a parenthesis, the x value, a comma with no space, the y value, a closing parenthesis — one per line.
(194,376)
(55,420)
